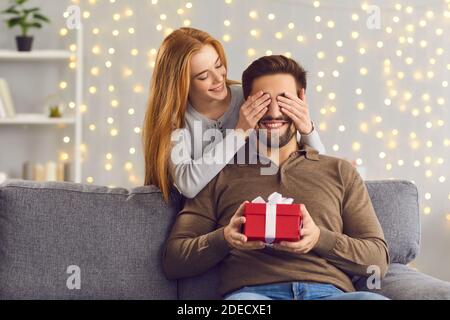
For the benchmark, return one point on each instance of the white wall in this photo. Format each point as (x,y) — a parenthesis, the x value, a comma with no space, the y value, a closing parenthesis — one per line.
(421,90)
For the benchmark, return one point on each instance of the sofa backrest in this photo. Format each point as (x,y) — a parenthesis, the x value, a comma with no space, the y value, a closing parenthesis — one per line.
(115,237)
(53,234)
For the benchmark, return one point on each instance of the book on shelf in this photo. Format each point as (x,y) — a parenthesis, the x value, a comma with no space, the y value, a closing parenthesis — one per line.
(50,171)
(6,101)
(2,110)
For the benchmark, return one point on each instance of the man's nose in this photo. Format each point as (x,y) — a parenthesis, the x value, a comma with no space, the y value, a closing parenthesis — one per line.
(274,109)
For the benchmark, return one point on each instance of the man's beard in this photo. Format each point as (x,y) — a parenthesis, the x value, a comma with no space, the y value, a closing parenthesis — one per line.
(274,140)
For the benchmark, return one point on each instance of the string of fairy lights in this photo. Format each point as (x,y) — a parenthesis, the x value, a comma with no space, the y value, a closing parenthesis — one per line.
(404,52)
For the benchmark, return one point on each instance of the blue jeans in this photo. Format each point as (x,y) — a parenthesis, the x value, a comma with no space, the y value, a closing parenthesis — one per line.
(299,291)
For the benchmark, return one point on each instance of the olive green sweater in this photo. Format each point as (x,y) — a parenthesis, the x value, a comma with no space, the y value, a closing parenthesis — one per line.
(351,238)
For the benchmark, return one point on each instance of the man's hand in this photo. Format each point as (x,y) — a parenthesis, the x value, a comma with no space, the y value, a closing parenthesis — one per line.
(310,235)
(233,235)
(298,110)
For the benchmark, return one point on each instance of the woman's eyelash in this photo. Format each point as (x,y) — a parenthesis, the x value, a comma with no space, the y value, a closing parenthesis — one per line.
(220,66)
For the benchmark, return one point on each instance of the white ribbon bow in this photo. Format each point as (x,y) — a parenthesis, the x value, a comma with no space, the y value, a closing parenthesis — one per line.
(271,213)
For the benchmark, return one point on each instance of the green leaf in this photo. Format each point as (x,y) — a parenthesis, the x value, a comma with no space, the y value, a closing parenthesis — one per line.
(21,1)
(14,22)
(41,17)
(11,10)
(11,24)
(35,25)
(31,10)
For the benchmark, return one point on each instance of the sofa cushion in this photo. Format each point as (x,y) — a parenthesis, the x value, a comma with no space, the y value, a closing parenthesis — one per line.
(396,205)
(203,287)
(404,283)
(113,235)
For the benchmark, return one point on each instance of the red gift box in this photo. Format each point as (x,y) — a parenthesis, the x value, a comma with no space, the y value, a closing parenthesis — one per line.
(284,224)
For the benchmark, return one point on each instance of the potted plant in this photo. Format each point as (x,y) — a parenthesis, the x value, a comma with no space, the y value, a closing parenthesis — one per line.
(25,18)
(54,108)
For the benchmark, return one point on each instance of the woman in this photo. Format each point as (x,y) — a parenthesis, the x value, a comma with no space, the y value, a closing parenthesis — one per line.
(189,90)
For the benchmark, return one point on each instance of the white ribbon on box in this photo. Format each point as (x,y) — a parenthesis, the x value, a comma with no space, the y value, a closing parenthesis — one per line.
(271,213)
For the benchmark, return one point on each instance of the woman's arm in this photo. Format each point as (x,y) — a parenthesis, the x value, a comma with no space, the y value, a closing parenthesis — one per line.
(312,139)
(192,175)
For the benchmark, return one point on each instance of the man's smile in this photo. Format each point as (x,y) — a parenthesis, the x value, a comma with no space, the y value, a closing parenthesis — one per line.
(273,124)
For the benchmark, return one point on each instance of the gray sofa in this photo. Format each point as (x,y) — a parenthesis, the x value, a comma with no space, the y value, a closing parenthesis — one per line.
(114,237)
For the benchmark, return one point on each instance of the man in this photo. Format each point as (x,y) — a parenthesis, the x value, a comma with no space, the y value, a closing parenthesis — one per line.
(341,235)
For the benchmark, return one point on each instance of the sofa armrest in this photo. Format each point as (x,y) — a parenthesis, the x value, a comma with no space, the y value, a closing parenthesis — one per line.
(404,283)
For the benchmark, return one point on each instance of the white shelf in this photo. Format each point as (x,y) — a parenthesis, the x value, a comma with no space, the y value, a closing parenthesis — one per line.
(36,55)
(36,118)
(76,121)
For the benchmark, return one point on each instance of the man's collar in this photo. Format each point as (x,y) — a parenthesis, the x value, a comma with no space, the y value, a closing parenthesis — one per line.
(309,152)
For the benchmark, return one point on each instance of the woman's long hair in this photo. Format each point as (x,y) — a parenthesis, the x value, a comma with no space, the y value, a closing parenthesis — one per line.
(166,107)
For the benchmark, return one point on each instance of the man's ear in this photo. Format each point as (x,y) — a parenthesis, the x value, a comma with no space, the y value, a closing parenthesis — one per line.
(299,93)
